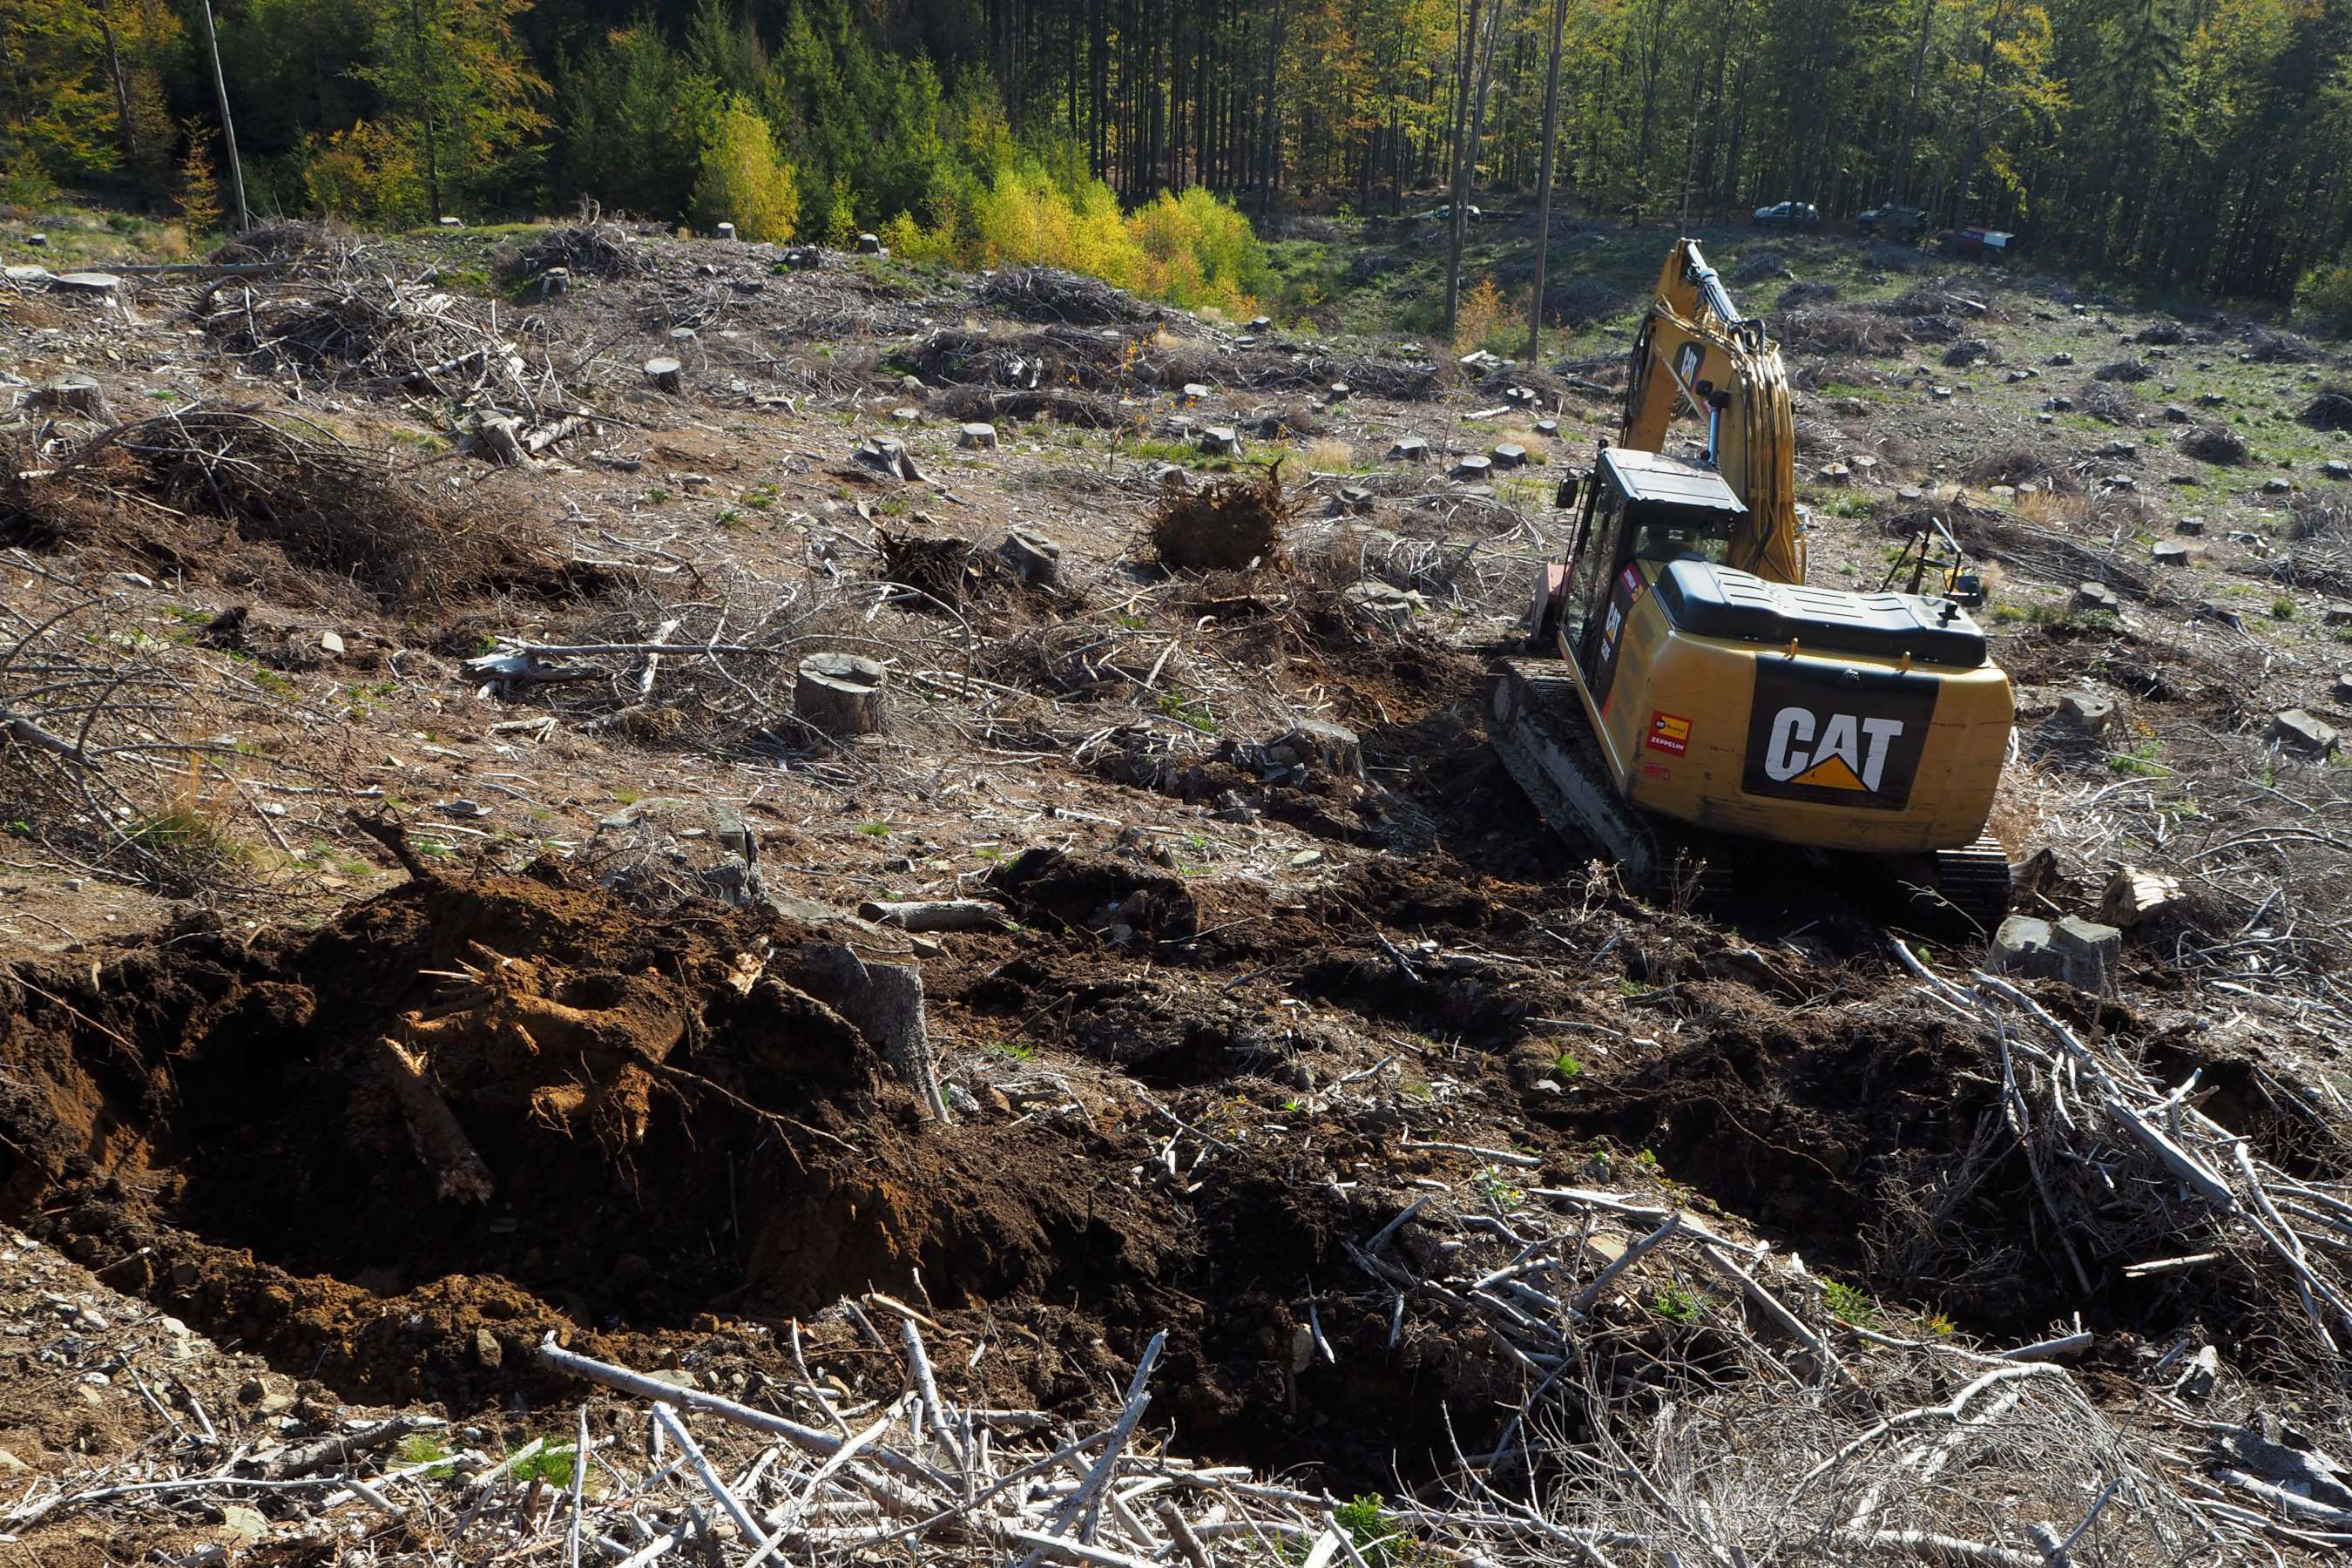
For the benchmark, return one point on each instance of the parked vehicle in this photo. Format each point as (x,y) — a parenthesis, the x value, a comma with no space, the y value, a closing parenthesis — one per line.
(1788,214)
(1894,222)
(1446,214)
(1981,244)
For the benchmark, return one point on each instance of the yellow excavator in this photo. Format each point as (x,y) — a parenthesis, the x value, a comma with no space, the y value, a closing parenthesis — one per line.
(1690,693)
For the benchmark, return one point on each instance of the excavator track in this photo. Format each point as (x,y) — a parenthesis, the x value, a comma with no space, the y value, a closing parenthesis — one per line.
(1537,727)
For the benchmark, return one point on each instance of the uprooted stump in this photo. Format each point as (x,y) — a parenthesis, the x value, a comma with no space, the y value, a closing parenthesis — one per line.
(1033,558)
(2215,444)
(937,567)
(839,694)
(1223,527)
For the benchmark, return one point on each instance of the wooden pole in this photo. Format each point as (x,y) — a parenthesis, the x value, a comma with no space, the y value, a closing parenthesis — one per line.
(1543,179)
(228,131)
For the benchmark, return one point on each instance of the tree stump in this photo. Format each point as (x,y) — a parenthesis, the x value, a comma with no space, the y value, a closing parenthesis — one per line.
(1507,455)
(1409,449)
(1194,393)
(1035,559)
(978,438)
(72,393)
(869,245)
(665,374)
(1473,468)
(1340,392)
(839,694)
(726,231)
(555,280)
(1220,441)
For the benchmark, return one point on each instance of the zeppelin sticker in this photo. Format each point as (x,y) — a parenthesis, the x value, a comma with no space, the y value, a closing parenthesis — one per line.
(1669,734)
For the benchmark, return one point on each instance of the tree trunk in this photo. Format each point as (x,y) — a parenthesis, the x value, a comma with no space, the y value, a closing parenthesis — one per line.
(124,127)
(1543,177)
(228,130)
(1458,214)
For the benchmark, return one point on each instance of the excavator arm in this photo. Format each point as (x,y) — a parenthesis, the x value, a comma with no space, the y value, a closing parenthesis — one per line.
(1697,351)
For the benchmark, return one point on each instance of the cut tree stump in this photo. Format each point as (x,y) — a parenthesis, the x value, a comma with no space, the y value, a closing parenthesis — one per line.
(839,694)
(1220,440)
(979,437)
(1035,559)
(665,374)
(869,245)
(1409,449)
(72,393)
(555,280)
(2132,895)
(726,231)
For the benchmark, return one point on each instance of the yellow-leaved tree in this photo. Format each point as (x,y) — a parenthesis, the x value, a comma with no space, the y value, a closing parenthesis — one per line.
(742,180)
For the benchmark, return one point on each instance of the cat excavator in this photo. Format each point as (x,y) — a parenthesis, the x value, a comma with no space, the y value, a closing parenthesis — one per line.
(1689,700)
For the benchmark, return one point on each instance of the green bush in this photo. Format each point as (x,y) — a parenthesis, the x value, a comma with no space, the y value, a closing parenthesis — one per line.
(2325,292)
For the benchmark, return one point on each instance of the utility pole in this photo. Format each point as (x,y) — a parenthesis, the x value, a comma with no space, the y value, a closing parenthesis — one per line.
(228,131)
(1543,179)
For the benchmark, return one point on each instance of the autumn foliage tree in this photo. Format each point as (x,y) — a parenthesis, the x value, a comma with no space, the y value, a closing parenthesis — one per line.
(459,90)
(743,181)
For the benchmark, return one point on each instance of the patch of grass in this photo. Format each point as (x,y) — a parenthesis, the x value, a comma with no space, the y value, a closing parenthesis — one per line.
(1566,1068)
(1011,1050)
(628,796)
(547,1467)
(2007,615)
(876,829)
(2283,609)
(423,1448)
(2140,763)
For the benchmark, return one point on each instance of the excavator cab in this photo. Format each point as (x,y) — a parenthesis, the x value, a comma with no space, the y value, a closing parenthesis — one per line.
(1640,507)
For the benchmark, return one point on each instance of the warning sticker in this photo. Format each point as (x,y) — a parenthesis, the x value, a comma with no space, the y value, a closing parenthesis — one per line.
(1669,732)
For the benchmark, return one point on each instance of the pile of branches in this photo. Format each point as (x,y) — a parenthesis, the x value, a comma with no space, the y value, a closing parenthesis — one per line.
(1050,294)
(2128,371)
(1055,357)
(406,335)
(2331,410)
(276,480)
(1270,369)
(2023,465)
(2281,348)
(312,245)
(589,249)
(1833,330)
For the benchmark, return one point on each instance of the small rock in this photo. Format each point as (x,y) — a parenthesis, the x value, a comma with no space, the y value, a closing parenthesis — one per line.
(2297,731)
(676,1377)
(242,1528)
(487,1350)
(10,1465)
(331,644)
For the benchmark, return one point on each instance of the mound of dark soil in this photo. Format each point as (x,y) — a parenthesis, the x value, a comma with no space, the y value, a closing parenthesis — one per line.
(393,1152)
(2331,410)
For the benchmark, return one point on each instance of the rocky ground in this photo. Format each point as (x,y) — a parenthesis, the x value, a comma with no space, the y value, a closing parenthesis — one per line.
(407,630)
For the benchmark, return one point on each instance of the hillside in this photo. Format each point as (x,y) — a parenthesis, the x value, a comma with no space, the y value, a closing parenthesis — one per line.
(434,922)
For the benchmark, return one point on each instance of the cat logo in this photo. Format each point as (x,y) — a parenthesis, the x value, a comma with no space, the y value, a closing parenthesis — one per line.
(1837,736)
(1847,751)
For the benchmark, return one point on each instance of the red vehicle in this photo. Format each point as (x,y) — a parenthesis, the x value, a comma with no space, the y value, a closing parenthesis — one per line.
(1984,244)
